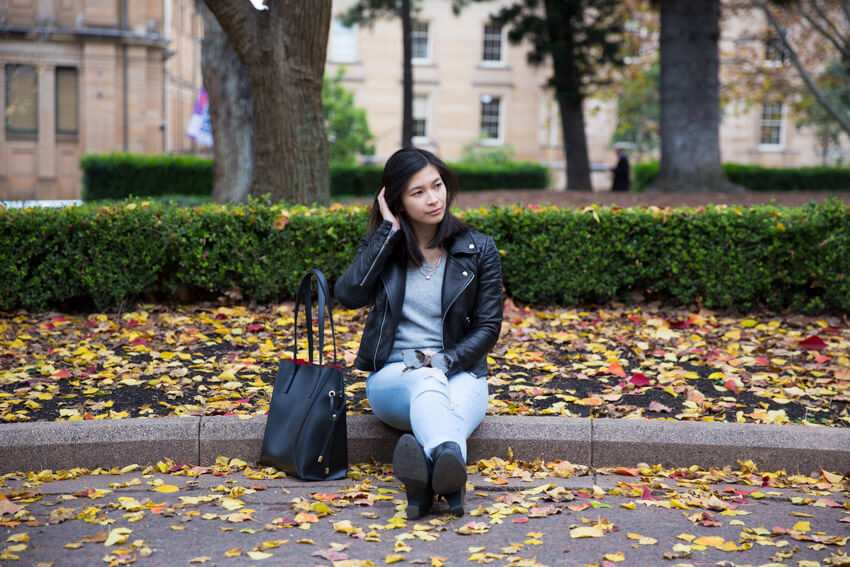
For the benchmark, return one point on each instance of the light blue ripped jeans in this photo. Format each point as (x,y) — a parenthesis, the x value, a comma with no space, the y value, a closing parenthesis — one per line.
(424,401)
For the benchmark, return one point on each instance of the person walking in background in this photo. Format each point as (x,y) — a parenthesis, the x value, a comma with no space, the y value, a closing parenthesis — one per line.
(621,172)
(435,289)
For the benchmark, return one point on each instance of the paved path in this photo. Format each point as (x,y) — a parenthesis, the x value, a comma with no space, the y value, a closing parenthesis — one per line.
(639,517)
(219,520)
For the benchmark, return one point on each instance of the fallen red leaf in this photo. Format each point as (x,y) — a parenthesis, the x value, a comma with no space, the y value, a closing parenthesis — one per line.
(812,343)
(639,380)
(647,495)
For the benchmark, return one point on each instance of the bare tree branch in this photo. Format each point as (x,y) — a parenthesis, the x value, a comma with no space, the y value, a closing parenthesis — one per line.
(836,33)
(820,29)
(846,9)
(795,60)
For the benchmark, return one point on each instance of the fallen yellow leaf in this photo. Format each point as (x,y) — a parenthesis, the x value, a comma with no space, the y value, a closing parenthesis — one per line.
(586,531)
(231,504)
(166,488)
(801,527)
(118,535)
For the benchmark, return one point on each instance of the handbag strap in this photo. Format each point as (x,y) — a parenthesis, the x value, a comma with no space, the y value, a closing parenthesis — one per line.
(323,296)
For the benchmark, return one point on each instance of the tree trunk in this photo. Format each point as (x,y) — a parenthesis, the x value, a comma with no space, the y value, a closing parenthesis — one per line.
(568,93)
(690,103)
(231,113)
(575,143)
(407,77)
(283,52)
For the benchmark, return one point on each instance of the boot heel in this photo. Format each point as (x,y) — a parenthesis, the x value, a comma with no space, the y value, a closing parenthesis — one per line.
(455,500)
(411,467)
(419,507)
(449,469)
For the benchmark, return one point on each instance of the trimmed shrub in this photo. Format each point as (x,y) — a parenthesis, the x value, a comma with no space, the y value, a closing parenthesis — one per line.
(356,181)
(118,176)
(716,256)
(758,178)
(508,175)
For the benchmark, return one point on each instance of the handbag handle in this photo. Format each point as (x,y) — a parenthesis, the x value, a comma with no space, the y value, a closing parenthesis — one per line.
(323,295)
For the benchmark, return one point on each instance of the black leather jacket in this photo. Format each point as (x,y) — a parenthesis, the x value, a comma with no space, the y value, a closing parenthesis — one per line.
(471,298)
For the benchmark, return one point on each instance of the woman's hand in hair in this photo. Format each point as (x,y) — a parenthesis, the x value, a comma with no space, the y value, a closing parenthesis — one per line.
(385,209)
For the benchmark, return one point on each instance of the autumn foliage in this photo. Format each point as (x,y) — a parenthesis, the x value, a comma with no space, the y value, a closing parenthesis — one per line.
(716,256)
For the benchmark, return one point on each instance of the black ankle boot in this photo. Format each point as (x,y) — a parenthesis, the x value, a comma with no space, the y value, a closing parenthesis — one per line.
(449,476)
(455,500)
(411,467)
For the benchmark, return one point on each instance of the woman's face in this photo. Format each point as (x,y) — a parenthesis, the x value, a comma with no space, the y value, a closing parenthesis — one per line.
(424,197)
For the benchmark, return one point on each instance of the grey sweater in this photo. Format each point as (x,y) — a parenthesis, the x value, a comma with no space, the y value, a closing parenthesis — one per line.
(421,314)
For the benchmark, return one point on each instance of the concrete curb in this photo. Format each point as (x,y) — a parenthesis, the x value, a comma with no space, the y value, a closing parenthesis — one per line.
(594,442)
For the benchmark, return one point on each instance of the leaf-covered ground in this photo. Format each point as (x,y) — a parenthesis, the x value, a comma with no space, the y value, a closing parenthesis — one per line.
(553,513)
(642,360)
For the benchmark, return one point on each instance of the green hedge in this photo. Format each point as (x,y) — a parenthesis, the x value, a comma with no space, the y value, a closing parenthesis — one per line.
(718,256)
(758,178)
(118,176)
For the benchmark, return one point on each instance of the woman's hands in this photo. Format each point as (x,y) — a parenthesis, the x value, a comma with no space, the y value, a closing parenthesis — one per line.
(385,209)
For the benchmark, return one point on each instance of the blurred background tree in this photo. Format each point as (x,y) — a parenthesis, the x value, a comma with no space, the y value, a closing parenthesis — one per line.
(347,126)
(638,112)
(835,86)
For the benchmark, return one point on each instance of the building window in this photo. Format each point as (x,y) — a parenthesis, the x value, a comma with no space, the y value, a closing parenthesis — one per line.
(419,39)
(21,99)
(491,117)
(493,44)
(343,42)
(775,52)
(67,101)
(420,117)
(771,124)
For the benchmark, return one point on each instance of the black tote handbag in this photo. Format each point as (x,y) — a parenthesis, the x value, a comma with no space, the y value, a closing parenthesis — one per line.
(305,432)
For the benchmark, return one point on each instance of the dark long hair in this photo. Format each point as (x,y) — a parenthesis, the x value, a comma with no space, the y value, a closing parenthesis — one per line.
(398,170)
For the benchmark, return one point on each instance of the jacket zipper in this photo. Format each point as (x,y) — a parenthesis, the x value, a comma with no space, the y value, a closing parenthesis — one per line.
(449,306)
(383,320)
(386,241)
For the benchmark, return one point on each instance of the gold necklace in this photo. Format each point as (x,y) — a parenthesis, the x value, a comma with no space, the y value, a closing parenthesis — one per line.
(431,269)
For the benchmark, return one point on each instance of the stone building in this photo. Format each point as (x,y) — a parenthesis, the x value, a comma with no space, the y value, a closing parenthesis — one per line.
(83,76)
(469,81)
(122,75)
